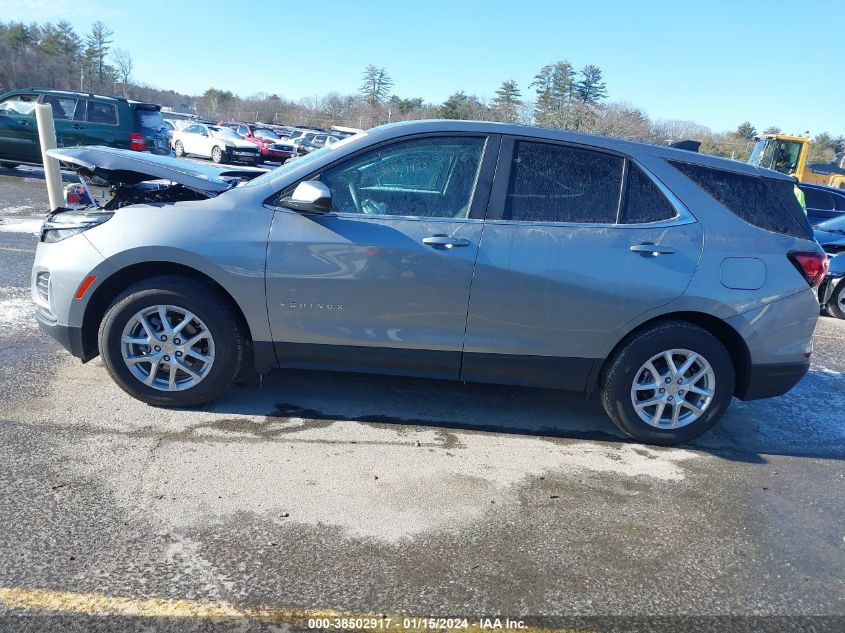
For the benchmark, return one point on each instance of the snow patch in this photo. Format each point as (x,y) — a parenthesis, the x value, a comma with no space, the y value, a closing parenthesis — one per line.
(15,210)
(15,225)
(15,311)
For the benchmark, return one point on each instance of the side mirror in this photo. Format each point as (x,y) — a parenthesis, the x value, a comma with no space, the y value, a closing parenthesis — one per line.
(310,196)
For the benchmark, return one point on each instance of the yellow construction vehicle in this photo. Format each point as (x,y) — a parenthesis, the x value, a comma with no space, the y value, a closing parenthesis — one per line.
(788,155)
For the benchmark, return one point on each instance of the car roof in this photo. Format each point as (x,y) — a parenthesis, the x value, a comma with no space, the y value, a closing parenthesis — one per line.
(404,128)
(87,95)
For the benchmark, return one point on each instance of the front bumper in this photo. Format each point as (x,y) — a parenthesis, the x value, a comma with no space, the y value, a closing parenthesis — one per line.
(769,381)
(68,336)
(243,156)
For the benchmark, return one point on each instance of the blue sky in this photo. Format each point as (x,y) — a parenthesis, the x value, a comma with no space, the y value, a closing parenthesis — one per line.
(716,62)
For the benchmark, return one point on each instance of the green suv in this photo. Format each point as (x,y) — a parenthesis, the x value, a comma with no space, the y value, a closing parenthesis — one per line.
(81,119)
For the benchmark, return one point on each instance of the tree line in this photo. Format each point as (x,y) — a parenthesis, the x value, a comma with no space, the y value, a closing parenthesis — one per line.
(559,96)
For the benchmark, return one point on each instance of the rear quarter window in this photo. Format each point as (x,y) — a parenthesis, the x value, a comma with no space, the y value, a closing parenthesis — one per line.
(767,203)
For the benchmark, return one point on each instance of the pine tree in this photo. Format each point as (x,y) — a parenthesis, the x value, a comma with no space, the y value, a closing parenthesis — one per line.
(376,85)
(97,47)
(507,100)
(746,130)
(590,88)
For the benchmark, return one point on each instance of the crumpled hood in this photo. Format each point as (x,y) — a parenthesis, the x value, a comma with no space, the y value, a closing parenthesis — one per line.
(128,167)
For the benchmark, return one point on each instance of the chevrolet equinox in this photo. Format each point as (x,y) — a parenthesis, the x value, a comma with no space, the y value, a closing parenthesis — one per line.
(666,280)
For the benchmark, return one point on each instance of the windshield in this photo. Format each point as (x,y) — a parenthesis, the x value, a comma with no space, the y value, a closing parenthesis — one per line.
(777,154)
(266,134)
(304,160)
(223,132)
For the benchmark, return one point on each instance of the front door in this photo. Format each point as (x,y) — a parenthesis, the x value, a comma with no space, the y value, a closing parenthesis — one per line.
(18,131)
(577,243)
(383,281)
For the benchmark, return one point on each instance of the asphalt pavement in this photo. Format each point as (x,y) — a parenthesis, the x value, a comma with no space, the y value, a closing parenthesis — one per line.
(310,496)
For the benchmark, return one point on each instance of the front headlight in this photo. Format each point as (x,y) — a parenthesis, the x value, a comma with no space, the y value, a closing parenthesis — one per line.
(64,224)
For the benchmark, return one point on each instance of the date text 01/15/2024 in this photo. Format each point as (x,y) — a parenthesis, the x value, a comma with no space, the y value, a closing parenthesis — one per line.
(414,624)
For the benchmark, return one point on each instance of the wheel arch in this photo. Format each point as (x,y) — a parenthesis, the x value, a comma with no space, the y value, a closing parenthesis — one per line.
(727,336)
(116,283)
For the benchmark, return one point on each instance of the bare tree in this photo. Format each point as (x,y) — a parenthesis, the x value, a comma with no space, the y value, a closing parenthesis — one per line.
(123,64)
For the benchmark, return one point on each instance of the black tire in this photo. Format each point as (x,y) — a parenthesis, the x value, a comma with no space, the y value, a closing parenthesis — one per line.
(621,369)
(179,148)
(833,304)
(216,154)
(8,165)
(205,302)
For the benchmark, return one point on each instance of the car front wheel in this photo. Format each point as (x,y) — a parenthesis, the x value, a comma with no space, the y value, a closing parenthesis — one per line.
(217,154)
(668,384)
(172,341)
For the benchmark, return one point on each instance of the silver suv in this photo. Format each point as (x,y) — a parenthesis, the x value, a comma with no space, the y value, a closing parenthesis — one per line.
(667,280)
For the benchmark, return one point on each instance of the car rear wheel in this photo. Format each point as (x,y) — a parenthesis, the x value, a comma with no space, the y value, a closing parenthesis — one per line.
(668,384)
(836,303)
(217,154)
(172,341)
(180,149)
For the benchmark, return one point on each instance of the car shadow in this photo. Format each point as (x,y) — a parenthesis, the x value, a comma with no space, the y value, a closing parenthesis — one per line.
(288,401)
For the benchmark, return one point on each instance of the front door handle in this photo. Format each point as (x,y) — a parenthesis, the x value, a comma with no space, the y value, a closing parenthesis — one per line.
(650,249)
(444,241)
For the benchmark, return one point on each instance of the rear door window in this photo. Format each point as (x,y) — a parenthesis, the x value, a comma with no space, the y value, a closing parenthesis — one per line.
(104,113)
(63,107)
(559,183)
(766,203)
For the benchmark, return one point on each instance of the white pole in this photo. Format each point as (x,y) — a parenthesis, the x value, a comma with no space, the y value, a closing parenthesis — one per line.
(52,172)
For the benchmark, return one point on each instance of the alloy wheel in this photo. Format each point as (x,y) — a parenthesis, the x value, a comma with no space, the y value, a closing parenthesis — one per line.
(673,388)
(167,348)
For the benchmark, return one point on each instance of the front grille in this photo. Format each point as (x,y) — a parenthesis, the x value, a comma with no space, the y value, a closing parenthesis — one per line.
(42,286)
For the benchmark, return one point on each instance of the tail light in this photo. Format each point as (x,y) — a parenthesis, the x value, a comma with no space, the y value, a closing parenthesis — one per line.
(137,142)
(812,265)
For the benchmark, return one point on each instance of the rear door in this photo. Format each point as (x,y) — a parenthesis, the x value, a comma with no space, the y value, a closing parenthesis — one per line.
(383,281)
(102,126)
(567,259)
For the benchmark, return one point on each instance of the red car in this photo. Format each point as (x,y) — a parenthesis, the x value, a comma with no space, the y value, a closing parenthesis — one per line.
(265,138)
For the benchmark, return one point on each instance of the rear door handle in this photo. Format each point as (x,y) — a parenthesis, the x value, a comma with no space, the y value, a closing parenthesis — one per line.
(76,127)
(444,241)
(650,249)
